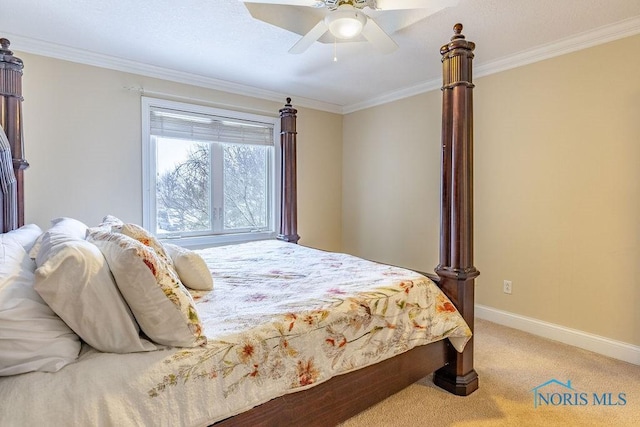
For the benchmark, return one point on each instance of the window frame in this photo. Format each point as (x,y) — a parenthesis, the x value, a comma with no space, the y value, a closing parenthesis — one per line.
(149,170)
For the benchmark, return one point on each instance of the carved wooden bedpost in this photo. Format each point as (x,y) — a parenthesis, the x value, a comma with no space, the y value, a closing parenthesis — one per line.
(456,270)
(288,194)
(11,121)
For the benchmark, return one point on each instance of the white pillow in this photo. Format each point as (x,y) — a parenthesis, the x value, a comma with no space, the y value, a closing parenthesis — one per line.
(76,282)
(110,220)
(109,223)
(25,235)
(161,304)
(192,269)
(61,228)
(32,337)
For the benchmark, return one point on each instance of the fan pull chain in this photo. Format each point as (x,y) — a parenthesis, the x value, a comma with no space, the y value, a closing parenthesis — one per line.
(335,49)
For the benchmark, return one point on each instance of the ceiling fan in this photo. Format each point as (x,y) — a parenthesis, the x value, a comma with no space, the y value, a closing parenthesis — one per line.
(344,20)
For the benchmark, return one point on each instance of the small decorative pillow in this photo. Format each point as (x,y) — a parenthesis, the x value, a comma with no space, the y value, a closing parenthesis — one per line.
(191,268)
(75,280)
(160,303)
(33,338)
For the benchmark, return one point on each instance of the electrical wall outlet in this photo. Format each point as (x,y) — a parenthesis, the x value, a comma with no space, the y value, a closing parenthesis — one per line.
(506,287)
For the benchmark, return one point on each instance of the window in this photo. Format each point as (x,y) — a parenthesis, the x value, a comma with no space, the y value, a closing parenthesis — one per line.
(208,174)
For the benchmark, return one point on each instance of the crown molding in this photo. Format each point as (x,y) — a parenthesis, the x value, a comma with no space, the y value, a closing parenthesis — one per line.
(395,95)
(608,33)
(601,35)
(52,50)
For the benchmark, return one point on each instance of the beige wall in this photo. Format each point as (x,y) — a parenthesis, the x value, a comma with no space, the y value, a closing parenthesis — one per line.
(82,135)
(391,182)
(557,188)
(320,179)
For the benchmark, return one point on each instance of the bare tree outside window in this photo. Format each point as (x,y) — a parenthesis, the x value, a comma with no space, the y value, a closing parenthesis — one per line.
(184,188)
(245,187)
(183,192)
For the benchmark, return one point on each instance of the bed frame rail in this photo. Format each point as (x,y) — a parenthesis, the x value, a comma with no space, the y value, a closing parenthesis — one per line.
(344,396)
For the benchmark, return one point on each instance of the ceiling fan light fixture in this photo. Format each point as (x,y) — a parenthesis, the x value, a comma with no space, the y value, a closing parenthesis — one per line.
(345,23)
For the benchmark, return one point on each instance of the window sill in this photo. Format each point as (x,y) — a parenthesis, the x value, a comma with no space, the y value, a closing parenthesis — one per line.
(201,242)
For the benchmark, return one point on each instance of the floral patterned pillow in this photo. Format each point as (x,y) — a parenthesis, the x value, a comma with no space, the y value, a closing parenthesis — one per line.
(143,236)
(160,303)
(115,224)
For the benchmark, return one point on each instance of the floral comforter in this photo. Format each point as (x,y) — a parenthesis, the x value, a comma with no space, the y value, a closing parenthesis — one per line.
(280,318)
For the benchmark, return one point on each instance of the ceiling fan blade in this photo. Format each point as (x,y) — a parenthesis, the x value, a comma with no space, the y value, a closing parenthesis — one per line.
(310,3)
(309,38)
(378,38)
(432,5)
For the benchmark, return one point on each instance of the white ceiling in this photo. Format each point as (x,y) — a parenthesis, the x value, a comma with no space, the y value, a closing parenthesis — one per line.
(218,44)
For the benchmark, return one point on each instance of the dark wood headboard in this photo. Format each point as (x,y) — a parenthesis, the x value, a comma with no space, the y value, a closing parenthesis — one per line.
(11,122)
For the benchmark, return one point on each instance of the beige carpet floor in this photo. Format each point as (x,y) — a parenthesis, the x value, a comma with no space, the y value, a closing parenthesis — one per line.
(510,365)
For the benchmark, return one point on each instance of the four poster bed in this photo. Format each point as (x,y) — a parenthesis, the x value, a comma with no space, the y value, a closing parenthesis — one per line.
(380,331)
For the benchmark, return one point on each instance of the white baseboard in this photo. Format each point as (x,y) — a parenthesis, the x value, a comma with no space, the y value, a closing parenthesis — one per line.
(601,345)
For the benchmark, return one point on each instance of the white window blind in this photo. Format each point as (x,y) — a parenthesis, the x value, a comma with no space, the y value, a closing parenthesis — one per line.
(194,126)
